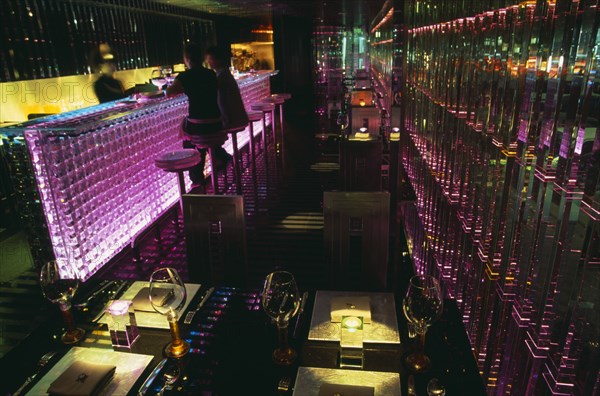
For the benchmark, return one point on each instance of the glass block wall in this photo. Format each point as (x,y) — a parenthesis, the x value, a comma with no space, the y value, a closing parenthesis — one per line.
(502,146)
(385,54)
(342,48)
(52,38)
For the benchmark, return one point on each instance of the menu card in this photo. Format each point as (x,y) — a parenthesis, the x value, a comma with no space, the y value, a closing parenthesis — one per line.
(129,367)
(313,381)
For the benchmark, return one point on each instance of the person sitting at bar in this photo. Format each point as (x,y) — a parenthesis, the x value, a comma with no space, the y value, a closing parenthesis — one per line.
(106,87)
(231,105)
(200,86)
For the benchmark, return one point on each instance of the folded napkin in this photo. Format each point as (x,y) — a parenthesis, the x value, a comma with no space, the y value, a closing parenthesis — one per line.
(82,379)
(345,390)
(141,301)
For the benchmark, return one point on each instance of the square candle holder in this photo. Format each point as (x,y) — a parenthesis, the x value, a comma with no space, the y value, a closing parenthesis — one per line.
(351,342)
(122,325)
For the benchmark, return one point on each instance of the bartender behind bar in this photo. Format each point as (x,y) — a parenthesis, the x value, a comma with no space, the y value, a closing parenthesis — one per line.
(106,87)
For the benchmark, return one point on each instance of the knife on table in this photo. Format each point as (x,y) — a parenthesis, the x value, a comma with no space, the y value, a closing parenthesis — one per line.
(146,385)
(190,315)
(300,311)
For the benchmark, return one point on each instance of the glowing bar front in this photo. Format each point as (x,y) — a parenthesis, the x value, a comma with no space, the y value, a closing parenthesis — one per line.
(96,176)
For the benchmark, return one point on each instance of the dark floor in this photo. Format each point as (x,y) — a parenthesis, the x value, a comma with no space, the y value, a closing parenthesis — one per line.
(284,226)
(284,231)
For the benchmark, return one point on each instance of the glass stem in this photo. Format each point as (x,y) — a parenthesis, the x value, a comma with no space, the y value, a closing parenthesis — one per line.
(282,330)
(174,327)
(67,317)
(421,343)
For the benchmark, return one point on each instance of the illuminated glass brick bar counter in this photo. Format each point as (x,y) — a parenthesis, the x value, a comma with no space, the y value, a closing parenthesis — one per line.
(95,174)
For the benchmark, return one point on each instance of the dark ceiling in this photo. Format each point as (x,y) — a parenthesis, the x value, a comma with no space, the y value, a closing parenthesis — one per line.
(326,12)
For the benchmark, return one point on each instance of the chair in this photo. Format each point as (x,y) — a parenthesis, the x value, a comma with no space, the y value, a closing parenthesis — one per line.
(360,164)
(215,234)
(357,239)
(208,141)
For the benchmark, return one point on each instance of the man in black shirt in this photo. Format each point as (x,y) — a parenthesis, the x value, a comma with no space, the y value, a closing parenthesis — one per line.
(200,86)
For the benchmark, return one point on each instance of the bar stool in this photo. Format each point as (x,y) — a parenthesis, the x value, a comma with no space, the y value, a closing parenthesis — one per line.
(178,161)
(253,116)
(237,174)
(279,99)
(285,97)
(208,141)
(265,108)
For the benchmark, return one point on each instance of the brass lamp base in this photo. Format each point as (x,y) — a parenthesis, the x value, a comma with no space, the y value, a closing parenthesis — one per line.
(177,349)
(284,356)
(72,336)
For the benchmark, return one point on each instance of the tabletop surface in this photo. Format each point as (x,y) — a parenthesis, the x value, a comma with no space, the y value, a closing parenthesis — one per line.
(232,340)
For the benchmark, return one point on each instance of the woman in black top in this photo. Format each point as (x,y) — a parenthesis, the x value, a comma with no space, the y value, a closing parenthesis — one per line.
(200,86)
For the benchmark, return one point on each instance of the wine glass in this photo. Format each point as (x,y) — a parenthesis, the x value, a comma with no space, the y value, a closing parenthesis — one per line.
(169,77)
(281,301)
(167,297)
(422,306)
(343,121)
(61,291)
(158,78)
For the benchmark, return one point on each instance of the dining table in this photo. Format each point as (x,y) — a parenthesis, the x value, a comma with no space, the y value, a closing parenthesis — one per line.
(231,343)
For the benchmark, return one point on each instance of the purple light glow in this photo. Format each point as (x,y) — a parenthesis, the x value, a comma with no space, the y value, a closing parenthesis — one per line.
(96,176)
(119,307)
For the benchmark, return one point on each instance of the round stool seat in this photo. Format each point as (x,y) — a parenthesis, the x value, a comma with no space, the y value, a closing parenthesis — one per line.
(284,96)
(275,100)
(263,106)
(178,160)
(254,116)
(208,139)
(236,129)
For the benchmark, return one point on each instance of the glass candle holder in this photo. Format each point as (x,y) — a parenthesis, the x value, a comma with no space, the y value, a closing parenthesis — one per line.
(122,325)
(351,341)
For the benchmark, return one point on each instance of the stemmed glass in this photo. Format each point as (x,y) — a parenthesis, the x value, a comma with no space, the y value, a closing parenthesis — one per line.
(167,297)
(343,121)
(168,73)
(422,306)
(281,302)
(61,291)
(158,78)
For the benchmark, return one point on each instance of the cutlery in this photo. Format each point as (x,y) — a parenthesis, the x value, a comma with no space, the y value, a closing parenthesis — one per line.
(146,385)
(300,311)
(103,286)
(41,363)
(190,315)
